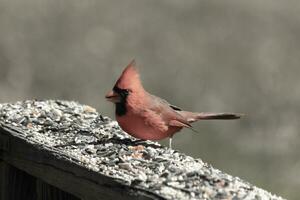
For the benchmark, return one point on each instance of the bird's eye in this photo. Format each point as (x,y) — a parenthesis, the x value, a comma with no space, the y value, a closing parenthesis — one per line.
(127,91)
(122,92)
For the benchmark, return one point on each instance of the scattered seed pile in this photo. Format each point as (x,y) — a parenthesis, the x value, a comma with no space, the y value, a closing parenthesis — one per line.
(99,144)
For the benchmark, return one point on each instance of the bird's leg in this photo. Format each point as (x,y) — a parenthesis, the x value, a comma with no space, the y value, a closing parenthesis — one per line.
(170,142)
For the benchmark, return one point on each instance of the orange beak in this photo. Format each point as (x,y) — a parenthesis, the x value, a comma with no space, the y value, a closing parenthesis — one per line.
(113,97)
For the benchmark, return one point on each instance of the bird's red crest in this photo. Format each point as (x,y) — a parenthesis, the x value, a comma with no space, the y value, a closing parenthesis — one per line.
(129,78)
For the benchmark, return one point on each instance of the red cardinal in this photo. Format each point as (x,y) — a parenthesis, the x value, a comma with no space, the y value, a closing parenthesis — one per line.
(149,117)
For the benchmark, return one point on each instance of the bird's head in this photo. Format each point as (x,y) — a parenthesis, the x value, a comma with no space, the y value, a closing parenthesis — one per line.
(128,84)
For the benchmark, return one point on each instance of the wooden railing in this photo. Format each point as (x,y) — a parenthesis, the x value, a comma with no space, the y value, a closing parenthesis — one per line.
(62,150)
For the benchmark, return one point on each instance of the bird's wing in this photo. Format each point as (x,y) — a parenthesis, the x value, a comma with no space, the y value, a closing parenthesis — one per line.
(174,107)
(179,124)
(168,112)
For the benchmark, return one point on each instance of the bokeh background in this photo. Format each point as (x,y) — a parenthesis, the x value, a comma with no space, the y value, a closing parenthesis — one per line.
(239,56)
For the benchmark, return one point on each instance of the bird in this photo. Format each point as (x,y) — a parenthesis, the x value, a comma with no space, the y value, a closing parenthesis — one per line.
(148,117)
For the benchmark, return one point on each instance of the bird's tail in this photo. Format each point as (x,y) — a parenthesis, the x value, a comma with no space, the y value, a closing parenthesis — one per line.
(192,117)
(207,115)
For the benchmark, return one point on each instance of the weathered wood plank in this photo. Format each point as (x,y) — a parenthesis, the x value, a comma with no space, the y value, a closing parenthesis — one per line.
(3,179)
(72,147)
(17,184)
(49,192)
(56,170)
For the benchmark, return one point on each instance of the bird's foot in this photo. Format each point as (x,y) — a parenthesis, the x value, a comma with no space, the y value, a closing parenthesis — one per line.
(170,142)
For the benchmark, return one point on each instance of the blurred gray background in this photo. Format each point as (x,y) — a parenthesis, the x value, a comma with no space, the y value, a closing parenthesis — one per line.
(239,56)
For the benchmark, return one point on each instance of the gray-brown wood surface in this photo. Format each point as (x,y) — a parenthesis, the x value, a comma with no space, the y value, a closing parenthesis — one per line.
(74,148)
